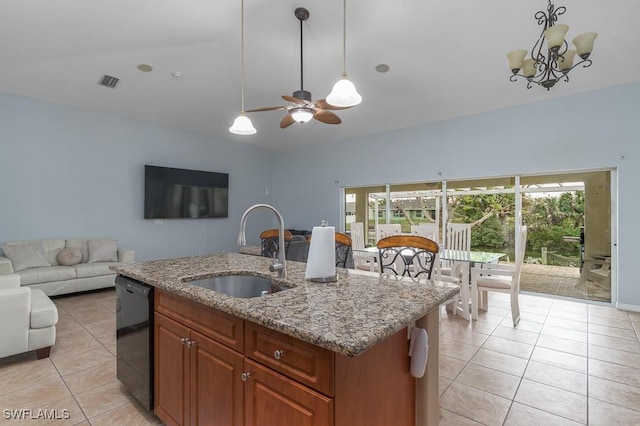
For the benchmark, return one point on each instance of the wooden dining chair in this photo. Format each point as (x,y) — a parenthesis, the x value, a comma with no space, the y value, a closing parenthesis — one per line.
(407,255)
(499,277)
(269,242)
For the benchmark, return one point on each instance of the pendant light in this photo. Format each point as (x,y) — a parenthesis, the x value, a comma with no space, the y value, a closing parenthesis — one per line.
(242,124)
(344,93)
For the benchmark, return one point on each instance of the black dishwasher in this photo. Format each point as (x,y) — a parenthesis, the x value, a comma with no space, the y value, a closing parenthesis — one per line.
(134,338)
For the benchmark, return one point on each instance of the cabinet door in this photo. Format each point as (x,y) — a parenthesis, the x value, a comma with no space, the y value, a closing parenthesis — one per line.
(216,383)
(272,399)
(171,392)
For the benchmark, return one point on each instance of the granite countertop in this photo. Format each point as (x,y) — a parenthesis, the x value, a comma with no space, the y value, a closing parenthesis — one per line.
(348,316)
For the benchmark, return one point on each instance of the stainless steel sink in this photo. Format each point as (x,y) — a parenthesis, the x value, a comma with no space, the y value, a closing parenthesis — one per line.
(242,286)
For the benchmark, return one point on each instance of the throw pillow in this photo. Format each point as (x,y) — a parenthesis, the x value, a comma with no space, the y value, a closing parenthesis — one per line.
(69,256)
(103,251)
(26,255)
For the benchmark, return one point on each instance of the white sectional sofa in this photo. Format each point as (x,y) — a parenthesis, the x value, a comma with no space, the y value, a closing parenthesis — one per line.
(59,266)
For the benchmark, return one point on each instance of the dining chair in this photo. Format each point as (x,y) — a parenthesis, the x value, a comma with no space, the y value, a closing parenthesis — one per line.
(499,277)
(344,256)
(387,230)
(269,242)
(458,237)
(407,255)
(361,259)
(427,230)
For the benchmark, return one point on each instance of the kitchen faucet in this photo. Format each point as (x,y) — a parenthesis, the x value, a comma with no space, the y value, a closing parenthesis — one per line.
(281,266)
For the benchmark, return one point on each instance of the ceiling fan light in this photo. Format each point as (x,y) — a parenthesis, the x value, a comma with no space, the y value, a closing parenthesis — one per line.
(302,114)
(344,94)
(242,125)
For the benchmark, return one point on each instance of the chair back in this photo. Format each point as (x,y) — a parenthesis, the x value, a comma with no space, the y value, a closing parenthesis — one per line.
(357,236)
(427,230)
(361,260)
(387,230)
(344,257)
(459,236)
(515,282)
(407,255)
(269,242)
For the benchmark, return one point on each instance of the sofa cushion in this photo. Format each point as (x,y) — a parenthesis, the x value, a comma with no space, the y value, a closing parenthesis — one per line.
(87,270)
(69,256)
(43,311)
(46,274)
(103,251)
(26,255)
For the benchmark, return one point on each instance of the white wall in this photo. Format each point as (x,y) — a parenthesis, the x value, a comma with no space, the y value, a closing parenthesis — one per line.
(69,173)
(587,131)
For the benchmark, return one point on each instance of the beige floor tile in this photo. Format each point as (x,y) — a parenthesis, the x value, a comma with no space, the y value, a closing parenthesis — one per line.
(489,380)
(560,315)
(443,385)
(563,345)
(565,333)
(530,317)
(622,333)
(607,311)
(64,411)
(610,322)
(509,347)
(557,377)
(130,414)
(38,395)
(560,359)
(523,415)
(103,398)
(91,377)
(73,344)
(567,323)
(96,313)
(604,414)
(464,335)
(82,361)
(553,400)
(457,350)
(614,393)
(450,367)
(490,318)
(475,404)
(538,310)
(560,306)
(516,334)
(26,373)
(523,325)
(502,362)
(634,316)
(614,356)
(615,372)
(449,418)
(614,343)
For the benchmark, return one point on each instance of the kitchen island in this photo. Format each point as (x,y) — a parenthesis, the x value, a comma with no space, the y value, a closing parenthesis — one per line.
(353,327)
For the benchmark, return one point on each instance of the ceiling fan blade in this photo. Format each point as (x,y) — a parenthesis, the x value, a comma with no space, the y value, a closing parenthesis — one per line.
(287,121)
(327,117)
(294,99)
(265,109)
(322,103)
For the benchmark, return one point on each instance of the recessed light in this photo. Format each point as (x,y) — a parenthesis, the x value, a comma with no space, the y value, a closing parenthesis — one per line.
(145,68)
(177,75)
(382,68)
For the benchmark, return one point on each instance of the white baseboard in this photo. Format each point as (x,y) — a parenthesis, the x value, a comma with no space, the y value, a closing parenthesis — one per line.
(625,307)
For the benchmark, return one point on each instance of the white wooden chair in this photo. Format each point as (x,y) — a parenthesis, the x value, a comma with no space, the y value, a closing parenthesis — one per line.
(387,230)
(602,274)
(458,238)
(361,259)
(499,277)
(427,230)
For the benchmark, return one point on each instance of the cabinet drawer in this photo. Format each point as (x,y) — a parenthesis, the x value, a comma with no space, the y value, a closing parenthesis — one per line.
(308,364)
(217,325)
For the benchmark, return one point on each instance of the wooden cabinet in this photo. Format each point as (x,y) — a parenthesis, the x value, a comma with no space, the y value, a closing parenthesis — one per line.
(215,369)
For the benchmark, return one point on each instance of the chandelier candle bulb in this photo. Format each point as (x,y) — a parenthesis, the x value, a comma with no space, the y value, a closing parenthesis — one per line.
(515,59)
(584,44)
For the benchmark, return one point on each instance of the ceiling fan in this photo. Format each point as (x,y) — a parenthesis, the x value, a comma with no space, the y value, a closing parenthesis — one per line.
(303,108)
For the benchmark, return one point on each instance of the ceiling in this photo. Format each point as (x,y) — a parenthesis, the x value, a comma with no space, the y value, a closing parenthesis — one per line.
(446,59)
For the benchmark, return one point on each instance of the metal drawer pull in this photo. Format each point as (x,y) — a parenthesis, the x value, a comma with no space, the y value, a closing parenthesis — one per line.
(278,354)
(245,376)
(191,343)
(184,340)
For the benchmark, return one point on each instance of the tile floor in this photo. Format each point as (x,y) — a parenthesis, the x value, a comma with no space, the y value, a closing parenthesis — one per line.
(565,363)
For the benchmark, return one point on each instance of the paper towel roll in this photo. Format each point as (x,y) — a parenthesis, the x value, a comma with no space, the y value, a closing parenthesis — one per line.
(321,262)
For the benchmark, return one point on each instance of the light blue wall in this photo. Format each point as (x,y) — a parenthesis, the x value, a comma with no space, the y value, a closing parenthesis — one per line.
(68,173)
(587,131)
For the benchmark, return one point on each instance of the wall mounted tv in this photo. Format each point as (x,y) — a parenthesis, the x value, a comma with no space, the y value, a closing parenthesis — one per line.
(178,193)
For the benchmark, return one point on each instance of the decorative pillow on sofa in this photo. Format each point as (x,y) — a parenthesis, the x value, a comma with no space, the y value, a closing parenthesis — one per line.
(69,256)
(103,251)
(26,255)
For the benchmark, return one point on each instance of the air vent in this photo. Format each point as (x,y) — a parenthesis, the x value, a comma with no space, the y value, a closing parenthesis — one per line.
(109,81)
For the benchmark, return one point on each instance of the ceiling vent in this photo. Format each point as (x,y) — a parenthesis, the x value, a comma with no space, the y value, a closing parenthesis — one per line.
(109,81)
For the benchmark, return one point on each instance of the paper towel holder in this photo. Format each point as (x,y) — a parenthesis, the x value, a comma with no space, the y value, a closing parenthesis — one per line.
(328,279)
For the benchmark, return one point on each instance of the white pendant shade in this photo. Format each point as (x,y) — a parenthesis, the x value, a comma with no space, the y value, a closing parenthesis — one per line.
(515,59)
(529,68)
(242,126)
(584,44)
(344,94)
(566,61)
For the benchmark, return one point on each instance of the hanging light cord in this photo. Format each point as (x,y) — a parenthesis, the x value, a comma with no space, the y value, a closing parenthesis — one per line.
(242,55)
(344,38)
(301,62)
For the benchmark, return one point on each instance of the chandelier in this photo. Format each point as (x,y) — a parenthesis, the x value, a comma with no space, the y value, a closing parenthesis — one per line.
(552,61)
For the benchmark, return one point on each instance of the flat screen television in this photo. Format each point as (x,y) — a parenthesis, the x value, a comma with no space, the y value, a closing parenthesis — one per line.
(178,193)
